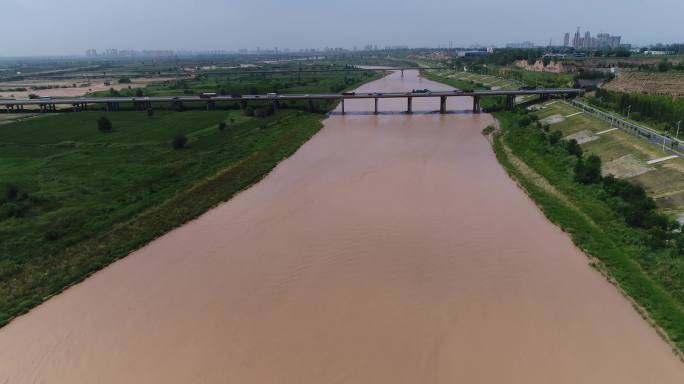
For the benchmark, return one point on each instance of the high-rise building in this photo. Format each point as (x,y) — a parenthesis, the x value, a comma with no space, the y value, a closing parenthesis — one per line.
(601,41)
(566,40)
(587,40)
(577,41)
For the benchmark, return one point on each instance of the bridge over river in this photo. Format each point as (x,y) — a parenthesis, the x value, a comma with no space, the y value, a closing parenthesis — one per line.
(113,103)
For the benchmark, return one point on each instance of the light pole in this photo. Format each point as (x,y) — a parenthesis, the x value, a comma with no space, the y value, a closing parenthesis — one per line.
(678,123)
(629,109)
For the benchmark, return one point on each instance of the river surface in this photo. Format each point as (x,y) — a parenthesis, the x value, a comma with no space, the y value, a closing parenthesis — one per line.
(389,249)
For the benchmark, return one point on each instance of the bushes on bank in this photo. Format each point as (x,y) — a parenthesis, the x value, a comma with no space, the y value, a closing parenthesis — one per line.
(628,200)
(179,142)
(104,125)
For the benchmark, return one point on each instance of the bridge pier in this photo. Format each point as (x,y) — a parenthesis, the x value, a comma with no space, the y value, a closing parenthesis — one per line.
(510,102)
(442,104)
(376,105)
(342,104)
(211,105)
(409,101)
(243,105)
(310,105)
(402,73)
(476,104)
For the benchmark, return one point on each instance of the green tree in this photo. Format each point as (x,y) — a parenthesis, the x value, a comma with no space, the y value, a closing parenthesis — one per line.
(573,148)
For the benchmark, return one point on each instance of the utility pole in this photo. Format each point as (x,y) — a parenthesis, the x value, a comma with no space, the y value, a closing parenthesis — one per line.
(678,123)
(629,109)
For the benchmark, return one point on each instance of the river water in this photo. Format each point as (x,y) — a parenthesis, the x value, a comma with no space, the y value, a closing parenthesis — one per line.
(388,249)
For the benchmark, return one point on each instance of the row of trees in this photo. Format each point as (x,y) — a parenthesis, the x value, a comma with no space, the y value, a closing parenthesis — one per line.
(662,109)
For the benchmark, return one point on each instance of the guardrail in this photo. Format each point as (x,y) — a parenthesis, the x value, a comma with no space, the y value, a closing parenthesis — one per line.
(654,137)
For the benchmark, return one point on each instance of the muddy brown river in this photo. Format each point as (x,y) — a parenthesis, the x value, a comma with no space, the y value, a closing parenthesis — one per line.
(389,249)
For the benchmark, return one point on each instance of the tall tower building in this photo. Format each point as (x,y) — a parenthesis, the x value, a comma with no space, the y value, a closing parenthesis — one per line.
(587,39)
(577,41)
(566,40)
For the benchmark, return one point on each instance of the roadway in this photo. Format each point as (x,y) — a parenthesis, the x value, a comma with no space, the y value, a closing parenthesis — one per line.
(285,97)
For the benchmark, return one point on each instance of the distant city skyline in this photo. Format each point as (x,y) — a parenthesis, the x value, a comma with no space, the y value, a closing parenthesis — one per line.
(70,27)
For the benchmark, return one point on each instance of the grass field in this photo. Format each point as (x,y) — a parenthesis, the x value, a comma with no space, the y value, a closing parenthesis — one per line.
(624,155)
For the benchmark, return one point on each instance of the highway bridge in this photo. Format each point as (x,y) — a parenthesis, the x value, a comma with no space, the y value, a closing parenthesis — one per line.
(113,103)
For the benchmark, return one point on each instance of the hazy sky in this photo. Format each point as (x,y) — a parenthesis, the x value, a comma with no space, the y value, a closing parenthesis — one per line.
(46,27)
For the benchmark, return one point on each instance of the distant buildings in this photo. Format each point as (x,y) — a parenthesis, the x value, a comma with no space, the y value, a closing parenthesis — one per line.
(601,41)
(523,45)
(659,53)
(473,53)
(112,53)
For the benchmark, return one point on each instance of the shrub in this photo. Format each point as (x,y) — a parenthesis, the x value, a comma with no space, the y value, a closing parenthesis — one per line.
(222,126)
(573,148)
(104,125)
(555,137)
(262,112)
(179,142)
(150,112)
(525,121)
(124,80)
(488,130)
(588,171)
(11,192)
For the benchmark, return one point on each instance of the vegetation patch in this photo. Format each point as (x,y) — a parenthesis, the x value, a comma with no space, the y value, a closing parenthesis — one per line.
(612,220)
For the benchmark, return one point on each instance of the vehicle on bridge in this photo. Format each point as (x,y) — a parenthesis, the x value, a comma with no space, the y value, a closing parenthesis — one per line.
(271,95)
(207,95)
(422,91)
(527,88)
(348,93)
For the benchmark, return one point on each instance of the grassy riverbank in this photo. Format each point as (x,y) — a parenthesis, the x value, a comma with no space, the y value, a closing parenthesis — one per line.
(84,198)
(73,198)
(648,271)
